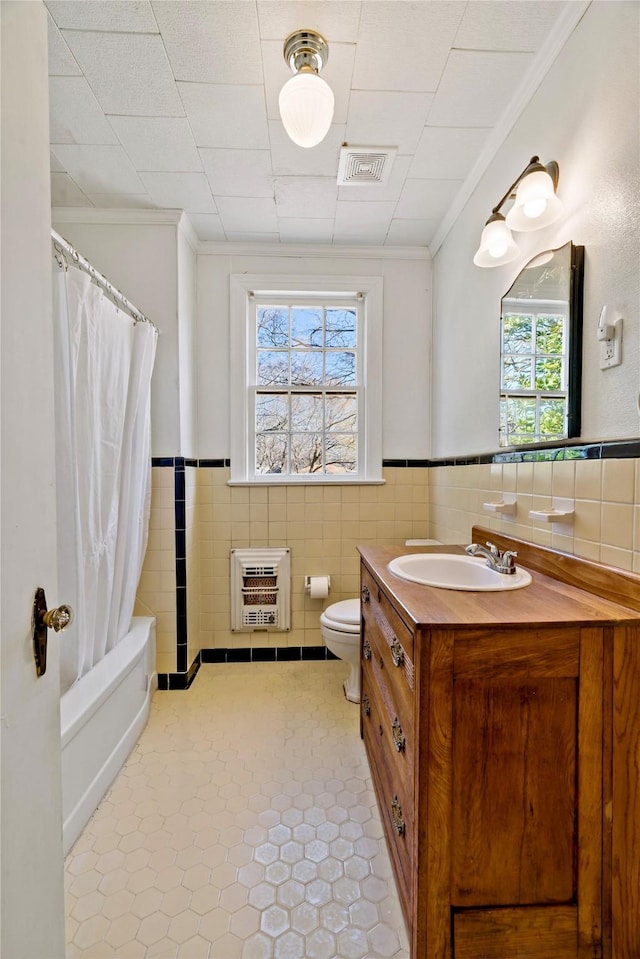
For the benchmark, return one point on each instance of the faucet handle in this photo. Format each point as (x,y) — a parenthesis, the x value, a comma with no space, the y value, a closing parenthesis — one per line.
(508,557)
(493,549)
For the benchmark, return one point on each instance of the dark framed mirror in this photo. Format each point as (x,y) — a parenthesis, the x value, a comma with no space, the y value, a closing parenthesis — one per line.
(541,350)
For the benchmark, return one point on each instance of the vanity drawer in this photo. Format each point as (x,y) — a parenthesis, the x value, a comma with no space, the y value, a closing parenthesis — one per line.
(396,737)
(375,599)
(394,802)
(393,666)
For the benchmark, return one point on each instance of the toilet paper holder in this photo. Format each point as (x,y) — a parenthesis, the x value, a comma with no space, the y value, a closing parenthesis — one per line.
(308,580)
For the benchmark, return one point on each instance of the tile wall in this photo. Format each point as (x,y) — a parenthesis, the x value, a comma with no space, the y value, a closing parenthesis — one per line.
(606,494)
(323,525)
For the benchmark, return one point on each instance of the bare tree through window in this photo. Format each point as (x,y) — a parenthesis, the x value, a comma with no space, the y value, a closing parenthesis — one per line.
(306,397)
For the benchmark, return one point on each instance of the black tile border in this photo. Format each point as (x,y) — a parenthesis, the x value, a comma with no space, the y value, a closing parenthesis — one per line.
(245,654)
(540,453)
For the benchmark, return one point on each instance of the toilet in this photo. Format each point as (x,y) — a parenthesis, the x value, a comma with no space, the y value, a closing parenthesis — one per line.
(340,628)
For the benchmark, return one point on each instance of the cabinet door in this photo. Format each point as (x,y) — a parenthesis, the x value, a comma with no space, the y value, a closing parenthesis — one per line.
(526,821)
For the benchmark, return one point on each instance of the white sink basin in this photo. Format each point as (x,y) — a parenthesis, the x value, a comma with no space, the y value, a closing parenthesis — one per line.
(450,571)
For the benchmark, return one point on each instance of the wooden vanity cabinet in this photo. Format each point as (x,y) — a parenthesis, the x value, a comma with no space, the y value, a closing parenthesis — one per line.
(490,748)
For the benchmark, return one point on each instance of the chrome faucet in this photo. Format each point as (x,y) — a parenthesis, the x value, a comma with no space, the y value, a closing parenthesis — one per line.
(501,562)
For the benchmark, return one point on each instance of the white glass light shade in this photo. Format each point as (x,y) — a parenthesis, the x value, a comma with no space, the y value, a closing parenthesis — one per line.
(536,204)
(497,246)
(306,104)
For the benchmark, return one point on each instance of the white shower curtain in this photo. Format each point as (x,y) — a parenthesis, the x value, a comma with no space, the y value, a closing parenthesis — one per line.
(103,464)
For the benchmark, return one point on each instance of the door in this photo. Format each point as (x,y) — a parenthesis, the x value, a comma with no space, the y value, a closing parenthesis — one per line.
(32,916)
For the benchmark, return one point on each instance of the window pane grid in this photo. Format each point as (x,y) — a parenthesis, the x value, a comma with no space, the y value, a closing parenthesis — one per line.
(307,391)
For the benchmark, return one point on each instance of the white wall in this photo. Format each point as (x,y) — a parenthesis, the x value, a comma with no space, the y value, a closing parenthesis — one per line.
(584,115)
(406,339)
(141,261)
(187,243)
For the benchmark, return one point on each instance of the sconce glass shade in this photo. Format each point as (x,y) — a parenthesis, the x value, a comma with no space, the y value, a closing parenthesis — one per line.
(536,204)
(497,246)
(306,105)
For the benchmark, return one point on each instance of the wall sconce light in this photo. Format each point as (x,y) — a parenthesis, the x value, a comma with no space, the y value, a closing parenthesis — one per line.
(535,206)
(306,101)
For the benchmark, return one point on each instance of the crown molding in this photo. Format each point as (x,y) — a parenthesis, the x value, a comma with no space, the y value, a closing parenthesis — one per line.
(128,216)
(542,63)
(317,251)
(133,217)
(185,227)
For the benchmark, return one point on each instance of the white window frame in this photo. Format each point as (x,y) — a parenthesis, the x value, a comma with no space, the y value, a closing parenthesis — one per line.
(242,386)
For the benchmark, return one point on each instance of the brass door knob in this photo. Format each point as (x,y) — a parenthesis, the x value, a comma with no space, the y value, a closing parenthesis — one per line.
(58,618)
(43,619)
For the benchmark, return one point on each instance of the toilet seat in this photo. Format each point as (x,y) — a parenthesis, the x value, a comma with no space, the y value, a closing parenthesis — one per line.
(344,616)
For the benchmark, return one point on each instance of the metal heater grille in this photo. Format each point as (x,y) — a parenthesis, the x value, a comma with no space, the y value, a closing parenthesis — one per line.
(260,589)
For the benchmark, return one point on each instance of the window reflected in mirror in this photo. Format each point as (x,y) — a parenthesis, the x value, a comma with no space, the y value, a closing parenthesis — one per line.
(540,350)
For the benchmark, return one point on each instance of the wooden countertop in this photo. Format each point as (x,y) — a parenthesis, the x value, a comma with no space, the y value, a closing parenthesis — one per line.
(547,600)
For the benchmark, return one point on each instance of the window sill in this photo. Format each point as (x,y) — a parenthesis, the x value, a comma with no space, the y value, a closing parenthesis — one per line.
(307,482)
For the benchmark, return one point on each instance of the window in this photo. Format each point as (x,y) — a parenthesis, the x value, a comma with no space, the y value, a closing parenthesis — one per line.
(306,401)
(533,374)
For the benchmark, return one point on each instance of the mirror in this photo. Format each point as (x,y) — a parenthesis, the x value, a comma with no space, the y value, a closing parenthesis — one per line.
(541,350)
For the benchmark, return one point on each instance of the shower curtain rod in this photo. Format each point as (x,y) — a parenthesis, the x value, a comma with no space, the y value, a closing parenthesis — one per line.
(64,248)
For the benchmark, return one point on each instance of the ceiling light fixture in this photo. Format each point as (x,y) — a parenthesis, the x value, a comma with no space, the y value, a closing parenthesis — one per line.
(306,101)
(535,206)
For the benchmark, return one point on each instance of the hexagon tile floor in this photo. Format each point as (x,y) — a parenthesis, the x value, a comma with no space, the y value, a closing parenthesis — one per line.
(244,824)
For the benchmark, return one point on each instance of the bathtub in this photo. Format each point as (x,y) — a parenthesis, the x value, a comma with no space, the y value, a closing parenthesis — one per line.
(101,719)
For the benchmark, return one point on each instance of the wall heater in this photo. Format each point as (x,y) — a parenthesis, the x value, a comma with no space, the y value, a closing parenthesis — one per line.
(261,588)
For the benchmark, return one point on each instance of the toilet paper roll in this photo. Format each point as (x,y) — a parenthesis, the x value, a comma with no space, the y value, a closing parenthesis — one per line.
(318,587)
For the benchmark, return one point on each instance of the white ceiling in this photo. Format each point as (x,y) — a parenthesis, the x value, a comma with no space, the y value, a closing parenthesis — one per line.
(160,104)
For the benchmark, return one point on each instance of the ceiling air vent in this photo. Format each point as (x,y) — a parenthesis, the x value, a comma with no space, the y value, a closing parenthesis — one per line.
(365,166)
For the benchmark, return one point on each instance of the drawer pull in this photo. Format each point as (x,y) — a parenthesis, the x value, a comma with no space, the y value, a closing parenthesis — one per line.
(398,738)
(366,708)
(397,653)
(366,649)
(366,595)
(396,816)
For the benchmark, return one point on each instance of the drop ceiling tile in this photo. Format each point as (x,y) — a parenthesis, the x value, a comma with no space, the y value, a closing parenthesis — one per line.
(404,46)
(292,160)
(446,153)
(128,72)
(211,42)
(377,193)
(75,115)
(122,201)
(61,60)
(337,73)
(380,118)
(411,232)
(336,21)
(303,229)
(99,169)
(425,199)
(247,215)
(476,88)
(362,222)
(225,115)
(180,191)
(64,192)
(240,173)
(122,16)
(504,25)
(158,143)
(207,226)
(311,196)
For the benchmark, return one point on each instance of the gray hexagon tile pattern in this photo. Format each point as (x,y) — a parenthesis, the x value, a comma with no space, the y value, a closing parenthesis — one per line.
(243,824)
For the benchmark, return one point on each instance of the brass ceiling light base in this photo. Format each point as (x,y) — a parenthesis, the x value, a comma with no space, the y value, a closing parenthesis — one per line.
(306,50)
